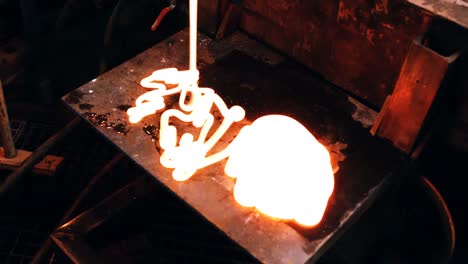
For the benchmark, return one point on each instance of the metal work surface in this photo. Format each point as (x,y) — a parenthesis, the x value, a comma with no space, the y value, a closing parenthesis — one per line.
(453,10)
(242,71)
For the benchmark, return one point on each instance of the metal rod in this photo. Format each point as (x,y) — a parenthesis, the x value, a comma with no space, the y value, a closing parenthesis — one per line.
(36,156)
(162,14)
(92,218)
(5,130)
(76,248)
(70,237)
(92,183)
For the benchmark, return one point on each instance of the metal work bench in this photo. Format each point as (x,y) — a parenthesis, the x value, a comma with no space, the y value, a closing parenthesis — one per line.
(247,73)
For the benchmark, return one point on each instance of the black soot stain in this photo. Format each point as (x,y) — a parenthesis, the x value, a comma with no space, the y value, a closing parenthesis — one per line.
(86,106)
(102,120)
(121,128)
(152,131)
(97,119)
(74,97)
(123,108)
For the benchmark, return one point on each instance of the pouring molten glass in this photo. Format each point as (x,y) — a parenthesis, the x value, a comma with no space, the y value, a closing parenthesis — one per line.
(278,165)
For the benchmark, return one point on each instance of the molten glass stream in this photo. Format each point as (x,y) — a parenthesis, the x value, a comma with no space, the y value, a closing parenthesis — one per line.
(279,166)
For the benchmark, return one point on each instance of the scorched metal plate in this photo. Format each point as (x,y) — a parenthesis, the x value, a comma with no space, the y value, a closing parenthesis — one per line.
(244,72)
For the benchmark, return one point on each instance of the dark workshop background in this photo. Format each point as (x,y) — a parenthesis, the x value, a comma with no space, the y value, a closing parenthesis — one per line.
(48,48)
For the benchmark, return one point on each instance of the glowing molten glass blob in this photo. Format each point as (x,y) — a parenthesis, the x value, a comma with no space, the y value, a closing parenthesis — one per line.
(281,169)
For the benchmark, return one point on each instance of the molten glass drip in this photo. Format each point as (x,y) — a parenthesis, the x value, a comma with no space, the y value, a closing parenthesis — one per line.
(279,166)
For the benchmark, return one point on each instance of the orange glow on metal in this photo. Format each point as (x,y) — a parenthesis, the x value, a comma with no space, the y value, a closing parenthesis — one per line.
(279,166)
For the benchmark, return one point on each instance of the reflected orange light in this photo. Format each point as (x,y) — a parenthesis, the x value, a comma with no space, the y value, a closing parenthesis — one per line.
(281,169)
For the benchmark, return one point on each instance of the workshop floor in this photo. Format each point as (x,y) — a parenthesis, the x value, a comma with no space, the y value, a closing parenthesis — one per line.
(395,230)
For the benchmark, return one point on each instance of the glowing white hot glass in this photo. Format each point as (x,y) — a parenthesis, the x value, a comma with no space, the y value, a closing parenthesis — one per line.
(281,169)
